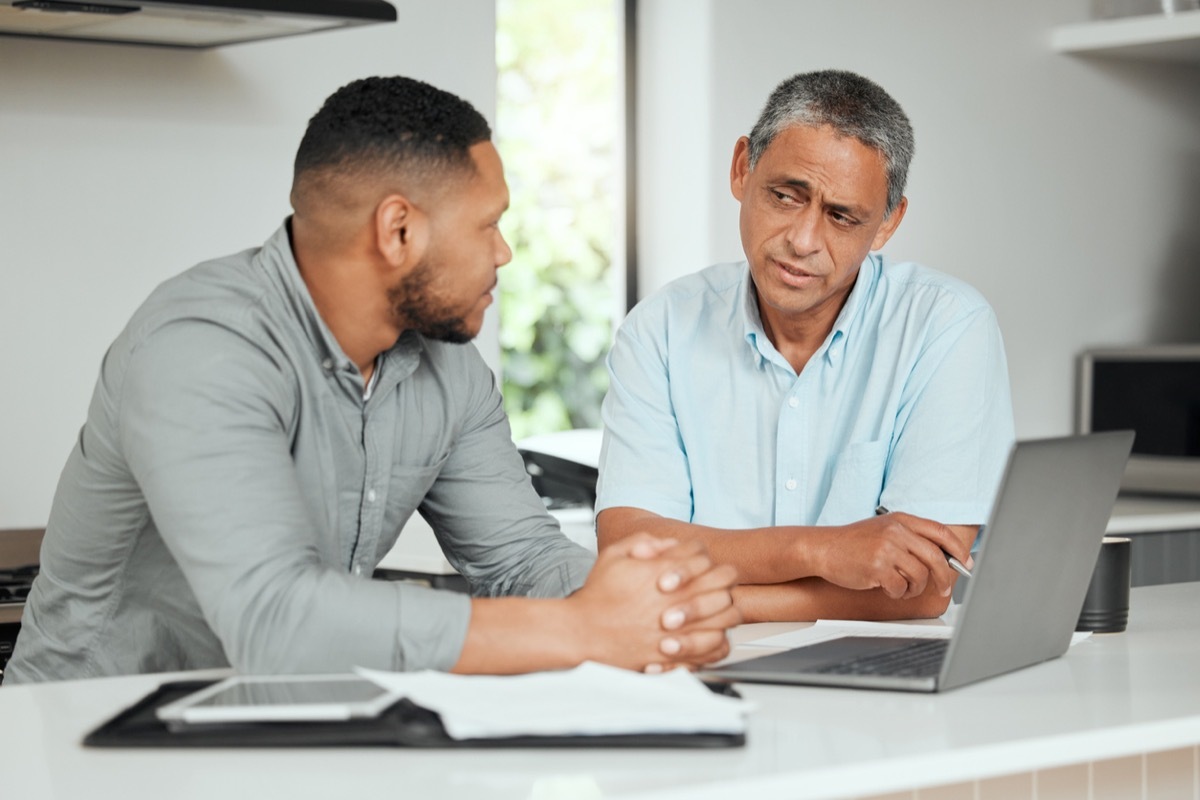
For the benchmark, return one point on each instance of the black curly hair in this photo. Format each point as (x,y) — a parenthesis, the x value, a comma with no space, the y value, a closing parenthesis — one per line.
(391,123)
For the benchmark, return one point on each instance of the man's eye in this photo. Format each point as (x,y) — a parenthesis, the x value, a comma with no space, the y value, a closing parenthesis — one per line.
(782,197)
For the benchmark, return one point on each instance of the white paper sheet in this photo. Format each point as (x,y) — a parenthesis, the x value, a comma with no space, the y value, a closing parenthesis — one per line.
(591,699)
(825,629)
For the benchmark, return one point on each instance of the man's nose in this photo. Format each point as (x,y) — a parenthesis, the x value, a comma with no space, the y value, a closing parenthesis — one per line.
(804,233)
(503,251)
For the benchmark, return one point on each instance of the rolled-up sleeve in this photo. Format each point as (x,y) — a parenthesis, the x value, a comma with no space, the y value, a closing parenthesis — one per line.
(643,463)
(203,425)
(490,522)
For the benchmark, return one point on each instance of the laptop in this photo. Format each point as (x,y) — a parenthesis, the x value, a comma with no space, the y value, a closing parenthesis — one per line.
(1031,574)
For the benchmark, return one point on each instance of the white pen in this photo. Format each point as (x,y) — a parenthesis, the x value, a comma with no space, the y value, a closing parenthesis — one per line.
(954,563)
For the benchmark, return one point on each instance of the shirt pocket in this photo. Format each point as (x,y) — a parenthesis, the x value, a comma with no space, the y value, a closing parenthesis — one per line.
(407,487)
(855,483)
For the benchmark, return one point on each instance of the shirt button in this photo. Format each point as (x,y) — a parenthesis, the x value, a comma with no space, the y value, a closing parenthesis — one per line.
(370,495)
(358,570)
(790,484)
(793,402)
(327,364)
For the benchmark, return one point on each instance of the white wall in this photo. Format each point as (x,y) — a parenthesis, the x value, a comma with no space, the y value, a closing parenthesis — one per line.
(677,177)
(121,166)
(1066,189)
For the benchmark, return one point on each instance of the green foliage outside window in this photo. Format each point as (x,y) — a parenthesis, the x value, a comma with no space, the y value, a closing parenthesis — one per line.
(557,122)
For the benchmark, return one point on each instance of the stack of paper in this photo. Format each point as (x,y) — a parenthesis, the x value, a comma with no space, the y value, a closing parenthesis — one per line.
(590,700)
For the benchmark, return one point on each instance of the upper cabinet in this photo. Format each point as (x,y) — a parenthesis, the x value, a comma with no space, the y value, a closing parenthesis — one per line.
(185,23)
(1160,37)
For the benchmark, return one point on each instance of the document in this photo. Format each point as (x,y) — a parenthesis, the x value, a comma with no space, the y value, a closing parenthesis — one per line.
(825,629)
(590,700)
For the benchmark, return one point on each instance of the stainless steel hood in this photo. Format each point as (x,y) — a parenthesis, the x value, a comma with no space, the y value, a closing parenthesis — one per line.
(185,23)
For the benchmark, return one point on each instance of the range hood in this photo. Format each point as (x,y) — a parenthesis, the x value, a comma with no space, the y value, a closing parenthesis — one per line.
(185,23)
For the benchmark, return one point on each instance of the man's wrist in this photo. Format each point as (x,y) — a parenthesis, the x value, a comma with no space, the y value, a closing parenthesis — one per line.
(577,635)
(521,634)
(805,551)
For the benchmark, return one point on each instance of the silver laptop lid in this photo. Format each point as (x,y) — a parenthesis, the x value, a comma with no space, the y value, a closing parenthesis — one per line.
(1040,548)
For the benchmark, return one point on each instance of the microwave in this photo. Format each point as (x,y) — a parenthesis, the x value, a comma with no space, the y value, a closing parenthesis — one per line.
(1153,390)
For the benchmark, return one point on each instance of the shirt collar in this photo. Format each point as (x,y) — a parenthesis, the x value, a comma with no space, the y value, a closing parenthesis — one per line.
(848,318)
(761,349)
(834,347)
(279,263)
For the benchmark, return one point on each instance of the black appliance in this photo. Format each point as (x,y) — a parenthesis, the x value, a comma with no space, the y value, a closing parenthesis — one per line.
(19,553)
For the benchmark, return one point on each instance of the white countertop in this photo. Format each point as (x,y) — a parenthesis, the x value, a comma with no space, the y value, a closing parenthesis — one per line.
(1111,695)
(1153,514)
(417,549)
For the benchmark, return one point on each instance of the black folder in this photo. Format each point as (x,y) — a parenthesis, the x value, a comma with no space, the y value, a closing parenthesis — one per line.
(403,724)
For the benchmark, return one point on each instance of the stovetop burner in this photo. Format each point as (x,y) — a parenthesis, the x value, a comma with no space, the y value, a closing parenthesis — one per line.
(15,583)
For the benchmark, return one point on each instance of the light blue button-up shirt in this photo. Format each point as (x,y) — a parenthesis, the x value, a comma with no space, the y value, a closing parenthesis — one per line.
(905,404)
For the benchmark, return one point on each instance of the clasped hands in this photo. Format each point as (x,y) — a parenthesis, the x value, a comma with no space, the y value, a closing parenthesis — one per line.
(654,604)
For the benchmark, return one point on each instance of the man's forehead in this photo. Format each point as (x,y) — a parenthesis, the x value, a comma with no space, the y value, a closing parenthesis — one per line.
(801,152)
(477,192)
(487,161)
(800,139)
(489,168)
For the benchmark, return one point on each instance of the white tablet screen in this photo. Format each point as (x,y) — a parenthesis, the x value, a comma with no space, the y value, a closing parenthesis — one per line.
(281,698)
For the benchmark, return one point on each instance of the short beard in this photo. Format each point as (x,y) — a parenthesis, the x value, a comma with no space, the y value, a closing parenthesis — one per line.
(411,302)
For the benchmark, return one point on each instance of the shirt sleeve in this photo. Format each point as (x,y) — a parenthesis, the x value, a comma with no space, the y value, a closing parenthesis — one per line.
(203,426)
(955,425)
(491,524)
(642,459)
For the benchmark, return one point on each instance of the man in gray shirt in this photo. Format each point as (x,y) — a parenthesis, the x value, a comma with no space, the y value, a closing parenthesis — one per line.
(267,422)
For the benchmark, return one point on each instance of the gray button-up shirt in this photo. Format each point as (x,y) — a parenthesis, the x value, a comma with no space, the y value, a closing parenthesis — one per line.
(231,493)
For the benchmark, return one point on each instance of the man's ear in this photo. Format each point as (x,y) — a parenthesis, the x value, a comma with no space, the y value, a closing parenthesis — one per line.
(740,168)
(401,230)
(890,223)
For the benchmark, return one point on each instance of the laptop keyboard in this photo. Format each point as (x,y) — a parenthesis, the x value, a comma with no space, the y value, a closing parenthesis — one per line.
(918,659)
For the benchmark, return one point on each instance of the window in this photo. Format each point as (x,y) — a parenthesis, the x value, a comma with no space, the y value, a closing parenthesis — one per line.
(559,130)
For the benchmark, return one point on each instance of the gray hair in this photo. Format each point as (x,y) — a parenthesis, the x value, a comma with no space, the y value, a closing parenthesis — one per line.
(852,106)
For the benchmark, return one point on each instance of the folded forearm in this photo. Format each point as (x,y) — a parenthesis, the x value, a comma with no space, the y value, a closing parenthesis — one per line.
(814,598)
(761,555)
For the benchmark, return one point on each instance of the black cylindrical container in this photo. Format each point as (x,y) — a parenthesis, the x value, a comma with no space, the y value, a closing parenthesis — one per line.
(1106,607)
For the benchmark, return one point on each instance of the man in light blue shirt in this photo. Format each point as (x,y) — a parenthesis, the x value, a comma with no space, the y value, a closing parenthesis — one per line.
(778,407)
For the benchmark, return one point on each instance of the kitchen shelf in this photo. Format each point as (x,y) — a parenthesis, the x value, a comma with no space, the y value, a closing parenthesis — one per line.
(1157,37)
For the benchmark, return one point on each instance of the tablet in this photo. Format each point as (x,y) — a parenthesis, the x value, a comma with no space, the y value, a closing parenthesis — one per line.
(280,698)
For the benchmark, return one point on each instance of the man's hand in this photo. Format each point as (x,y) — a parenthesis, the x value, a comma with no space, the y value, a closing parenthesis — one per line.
(898,553)
(651,603)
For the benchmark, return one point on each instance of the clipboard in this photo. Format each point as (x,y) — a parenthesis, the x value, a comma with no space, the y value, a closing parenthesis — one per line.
(404,724)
